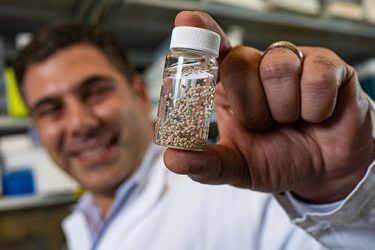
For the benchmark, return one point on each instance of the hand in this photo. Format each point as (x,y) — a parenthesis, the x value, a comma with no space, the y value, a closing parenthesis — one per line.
(284,124)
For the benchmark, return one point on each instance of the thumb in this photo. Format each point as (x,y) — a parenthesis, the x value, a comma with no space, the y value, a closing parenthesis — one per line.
(217,164)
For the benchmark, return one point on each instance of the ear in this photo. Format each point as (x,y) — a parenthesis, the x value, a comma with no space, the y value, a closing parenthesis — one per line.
(140,89)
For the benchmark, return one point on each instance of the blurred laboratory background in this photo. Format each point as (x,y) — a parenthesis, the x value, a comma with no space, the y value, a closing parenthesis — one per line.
(34,194)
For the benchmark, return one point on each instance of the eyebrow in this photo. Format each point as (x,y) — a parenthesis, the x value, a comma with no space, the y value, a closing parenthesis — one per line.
(93,79)
(81,86)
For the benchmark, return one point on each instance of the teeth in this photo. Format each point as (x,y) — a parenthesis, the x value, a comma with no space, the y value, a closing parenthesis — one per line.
(94,151)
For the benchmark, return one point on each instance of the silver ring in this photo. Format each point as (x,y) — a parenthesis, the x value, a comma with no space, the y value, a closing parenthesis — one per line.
(288,45)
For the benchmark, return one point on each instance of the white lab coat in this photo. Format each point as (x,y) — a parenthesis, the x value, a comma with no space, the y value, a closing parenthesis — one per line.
(171,212)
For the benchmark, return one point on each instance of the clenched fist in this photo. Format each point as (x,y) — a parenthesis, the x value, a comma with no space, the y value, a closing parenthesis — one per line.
(285,124)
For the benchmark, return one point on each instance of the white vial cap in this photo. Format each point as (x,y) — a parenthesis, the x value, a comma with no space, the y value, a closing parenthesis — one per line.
(195,38)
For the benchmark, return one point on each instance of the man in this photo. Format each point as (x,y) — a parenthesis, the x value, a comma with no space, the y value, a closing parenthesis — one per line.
(92,113)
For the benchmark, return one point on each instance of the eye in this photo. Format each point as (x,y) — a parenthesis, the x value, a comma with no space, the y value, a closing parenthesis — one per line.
(49,111)
(97,93)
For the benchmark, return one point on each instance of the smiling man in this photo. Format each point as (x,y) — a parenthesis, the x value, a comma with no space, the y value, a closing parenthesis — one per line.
(93,120)
(92,113)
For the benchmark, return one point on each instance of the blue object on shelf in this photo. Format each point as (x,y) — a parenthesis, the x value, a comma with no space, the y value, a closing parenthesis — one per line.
(18,182)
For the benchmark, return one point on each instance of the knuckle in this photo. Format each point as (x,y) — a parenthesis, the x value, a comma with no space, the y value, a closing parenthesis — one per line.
(328,63)
(319,84)
(240,59)
(277,72)
(318,97)
(238,65)
(317,108)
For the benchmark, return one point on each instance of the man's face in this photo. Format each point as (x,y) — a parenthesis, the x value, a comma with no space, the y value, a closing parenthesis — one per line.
(92,121)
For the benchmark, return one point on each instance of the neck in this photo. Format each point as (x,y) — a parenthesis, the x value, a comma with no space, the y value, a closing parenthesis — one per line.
(104,202)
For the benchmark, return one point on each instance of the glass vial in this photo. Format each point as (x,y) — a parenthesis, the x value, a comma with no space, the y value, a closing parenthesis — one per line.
(187,92)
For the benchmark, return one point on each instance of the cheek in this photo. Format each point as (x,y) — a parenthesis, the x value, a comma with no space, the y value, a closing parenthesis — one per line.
(49,135)
(123,114)
(111,111)
(115,108)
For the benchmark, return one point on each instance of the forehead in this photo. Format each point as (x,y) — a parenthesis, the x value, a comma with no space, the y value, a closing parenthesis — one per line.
(65,69)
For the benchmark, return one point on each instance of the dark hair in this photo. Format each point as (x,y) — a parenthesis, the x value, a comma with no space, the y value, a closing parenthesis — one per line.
(51,39)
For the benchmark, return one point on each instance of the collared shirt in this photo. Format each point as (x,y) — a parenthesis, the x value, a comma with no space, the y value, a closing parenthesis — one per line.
(96,223)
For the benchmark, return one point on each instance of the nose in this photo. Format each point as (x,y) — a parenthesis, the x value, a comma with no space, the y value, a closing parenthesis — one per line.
(80,119)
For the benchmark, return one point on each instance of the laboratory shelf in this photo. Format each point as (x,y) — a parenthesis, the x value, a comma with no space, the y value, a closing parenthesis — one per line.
(12,126)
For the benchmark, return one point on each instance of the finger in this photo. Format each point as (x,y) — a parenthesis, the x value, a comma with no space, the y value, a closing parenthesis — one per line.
(323,72)
(216,165)
(221,99)
(279,73)
(202,20)
(240,78)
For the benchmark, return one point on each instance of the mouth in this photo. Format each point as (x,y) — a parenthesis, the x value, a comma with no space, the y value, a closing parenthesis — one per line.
(96,155)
